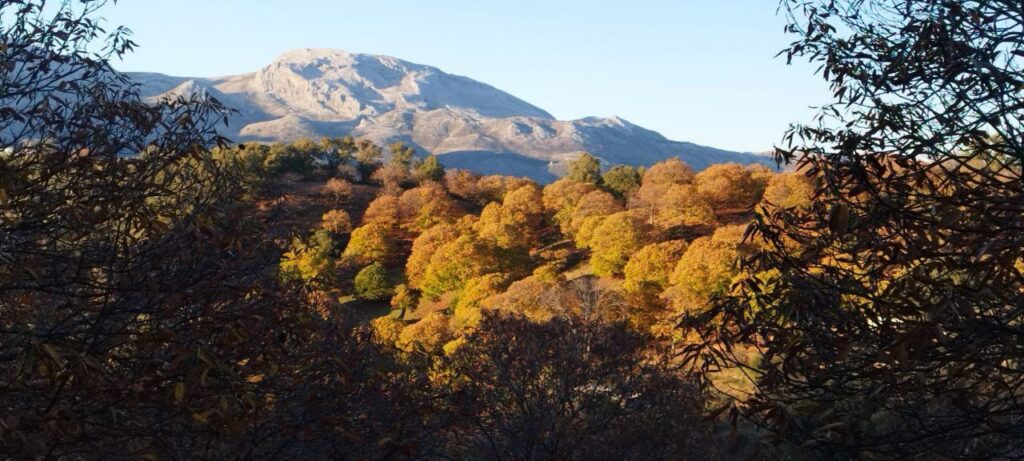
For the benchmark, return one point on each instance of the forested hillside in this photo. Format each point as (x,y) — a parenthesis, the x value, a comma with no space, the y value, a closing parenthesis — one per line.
(167,293)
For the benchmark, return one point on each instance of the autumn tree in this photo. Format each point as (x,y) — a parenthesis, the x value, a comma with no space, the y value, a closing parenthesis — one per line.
(656,182)
(648,271)
(789,190)
(663,175)
(493,188)
(594,204)
(615,240)
(393,177)
(336,222)
(456,262)
(404,300)
(425,206)
(708,267)
(423,249)
(310,260)
(516,222)
(730,186)
(463,184)
(370,243)
(682,205)
(339,190)
(429,334)
(467,311)
(560,199)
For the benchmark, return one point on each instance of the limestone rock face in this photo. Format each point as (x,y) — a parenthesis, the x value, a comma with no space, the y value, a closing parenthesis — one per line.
(309,93)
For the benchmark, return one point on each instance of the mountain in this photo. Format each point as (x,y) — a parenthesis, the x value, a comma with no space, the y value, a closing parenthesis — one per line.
(468,124)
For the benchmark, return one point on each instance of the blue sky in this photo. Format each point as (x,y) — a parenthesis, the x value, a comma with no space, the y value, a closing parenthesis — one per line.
(695,70)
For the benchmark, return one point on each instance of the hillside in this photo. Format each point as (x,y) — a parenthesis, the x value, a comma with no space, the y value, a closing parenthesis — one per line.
(329,93)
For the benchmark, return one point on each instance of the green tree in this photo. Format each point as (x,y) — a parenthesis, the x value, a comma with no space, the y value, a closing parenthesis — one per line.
(368,157)
(622,180)
(335,152)
(373,283)
(401,155)
(429,169)
(285,158)
(585,168)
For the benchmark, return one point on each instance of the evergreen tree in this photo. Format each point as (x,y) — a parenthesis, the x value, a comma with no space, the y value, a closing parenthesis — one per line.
(586,168)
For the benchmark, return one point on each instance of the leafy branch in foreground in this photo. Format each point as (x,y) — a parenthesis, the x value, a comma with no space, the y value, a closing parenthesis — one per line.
(894,326)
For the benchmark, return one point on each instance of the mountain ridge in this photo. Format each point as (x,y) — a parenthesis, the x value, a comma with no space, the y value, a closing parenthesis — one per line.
(468,124)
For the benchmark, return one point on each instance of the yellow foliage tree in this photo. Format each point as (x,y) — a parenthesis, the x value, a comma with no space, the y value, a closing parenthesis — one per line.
(682,205)
(336,222)
(467,310)
(404,300)
(387,329)
(425,206)
(561,197)
(456,262)
(340,190)
(430,334)
(730,186)
(383,212)
(789,190)
(648,271)
(309,261)
(492,188)
(514,224)
(370,243)
(596,203)
(660,176)
(708,267)
(615,240)
(531,297)
(423,249)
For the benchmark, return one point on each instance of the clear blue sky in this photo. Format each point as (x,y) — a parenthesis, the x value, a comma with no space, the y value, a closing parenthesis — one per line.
(695,70)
